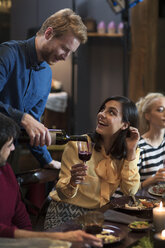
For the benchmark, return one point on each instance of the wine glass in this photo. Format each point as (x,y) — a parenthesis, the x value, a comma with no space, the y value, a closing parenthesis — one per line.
(84,153)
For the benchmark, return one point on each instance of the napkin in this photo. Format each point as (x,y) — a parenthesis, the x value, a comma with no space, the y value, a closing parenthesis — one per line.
(118,217)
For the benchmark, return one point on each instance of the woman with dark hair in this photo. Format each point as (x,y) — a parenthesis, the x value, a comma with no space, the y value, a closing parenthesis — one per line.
(113,164)
(129,117)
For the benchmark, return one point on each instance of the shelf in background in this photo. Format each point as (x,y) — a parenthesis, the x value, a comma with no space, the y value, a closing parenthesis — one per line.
(104,35)
(4,10)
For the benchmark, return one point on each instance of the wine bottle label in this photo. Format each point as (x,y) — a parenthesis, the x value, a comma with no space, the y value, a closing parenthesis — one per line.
(53,138)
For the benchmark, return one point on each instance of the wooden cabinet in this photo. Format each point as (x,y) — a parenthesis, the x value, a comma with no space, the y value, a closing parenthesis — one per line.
(147,49)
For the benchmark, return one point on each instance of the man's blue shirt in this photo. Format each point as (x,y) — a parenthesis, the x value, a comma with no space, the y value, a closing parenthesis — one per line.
(24,85)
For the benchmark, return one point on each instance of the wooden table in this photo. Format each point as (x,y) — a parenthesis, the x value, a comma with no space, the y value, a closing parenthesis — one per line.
(129,239)
(130,236)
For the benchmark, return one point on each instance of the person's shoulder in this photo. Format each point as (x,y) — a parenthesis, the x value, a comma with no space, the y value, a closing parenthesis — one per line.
(143,146)
(9,44)
(142,142)
(11,173)
(9,50)
(8,167)
(13,45)
(7,170)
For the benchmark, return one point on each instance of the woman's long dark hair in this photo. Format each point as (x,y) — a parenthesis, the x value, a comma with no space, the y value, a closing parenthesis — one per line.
(129,115)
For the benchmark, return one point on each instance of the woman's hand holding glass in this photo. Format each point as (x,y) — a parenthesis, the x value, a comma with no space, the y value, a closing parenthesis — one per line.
(78,173)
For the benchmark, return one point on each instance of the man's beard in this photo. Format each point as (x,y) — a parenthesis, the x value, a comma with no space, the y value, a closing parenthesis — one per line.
(46,55)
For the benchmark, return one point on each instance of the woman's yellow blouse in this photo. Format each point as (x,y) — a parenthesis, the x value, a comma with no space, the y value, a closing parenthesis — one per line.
(104,175)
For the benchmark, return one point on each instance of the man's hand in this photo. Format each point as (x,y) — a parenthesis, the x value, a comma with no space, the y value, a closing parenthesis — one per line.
(160,176)
(38,133)
(82,238)
(53,165)
(78,237)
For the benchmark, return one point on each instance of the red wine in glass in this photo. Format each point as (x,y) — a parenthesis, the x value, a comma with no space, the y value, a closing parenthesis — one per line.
(84,152)
(84,155)
(93,229)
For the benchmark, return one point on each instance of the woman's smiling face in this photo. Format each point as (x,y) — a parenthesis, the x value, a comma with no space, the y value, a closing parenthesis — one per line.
(109,119)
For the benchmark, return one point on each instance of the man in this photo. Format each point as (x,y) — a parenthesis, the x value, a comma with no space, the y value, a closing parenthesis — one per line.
(14,220)
(25,78)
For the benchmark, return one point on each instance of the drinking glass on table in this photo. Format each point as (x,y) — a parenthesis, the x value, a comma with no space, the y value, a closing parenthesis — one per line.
(84,153)
(92,222)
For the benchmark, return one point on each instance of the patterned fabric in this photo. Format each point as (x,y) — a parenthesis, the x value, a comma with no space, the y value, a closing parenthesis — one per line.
(60,212)
(151,159)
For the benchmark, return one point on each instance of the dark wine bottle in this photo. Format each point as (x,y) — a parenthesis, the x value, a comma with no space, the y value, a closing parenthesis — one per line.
(61,137)
(58,137)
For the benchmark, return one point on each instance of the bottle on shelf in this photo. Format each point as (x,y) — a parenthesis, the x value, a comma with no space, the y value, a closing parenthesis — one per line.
(58,137)
(101,29)
(120,28)
(111,27)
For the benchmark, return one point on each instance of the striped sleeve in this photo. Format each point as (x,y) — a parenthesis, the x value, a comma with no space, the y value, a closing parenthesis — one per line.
(151,159)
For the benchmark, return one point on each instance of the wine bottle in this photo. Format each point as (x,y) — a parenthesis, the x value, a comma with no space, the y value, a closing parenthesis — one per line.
(62,137)
(58,137)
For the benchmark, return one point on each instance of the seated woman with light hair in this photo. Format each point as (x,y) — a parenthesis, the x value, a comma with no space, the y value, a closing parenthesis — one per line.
(151,109)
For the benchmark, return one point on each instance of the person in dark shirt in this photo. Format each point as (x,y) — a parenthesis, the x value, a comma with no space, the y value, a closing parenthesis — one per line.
(25,75)
(14,219)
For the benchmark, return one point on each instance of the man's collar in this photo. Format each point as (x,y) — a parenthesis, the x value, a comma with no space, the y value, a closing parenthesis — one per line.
(31,55)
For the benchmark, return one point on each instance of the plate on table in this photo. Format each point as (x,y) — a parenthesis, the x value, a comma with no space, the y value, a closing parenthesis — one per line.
(157,190)
(126,205)
(139,226)
(111,234)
